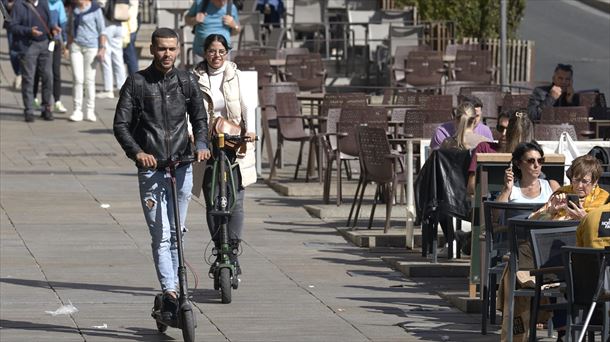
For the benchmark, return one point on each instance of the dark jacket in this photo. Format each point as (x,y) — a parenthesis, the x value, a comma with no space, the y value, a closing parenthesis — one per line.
(150,115)
(440,186)
(541,98)
(22,21)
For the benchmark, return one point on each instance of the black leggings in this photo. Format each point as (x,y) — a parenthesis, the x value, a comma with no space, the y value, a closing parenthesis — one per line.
(236,221)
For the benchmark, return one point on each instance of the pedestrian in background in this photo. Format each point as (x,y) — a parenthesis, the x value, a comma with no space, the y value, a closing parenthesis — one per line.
(113,63)
(14,56)
(33,33)
(86,43)
(58,14)
(211,17)
(131,28)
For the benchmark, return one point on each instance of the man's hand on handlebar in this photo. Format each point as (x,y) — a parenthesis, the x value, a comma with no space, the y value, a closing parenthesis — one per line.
(203,155)
(146,160)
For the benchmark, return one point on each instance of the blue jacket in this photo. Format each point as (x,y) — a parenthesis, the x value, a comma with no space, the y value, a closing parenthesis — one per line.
(22,21)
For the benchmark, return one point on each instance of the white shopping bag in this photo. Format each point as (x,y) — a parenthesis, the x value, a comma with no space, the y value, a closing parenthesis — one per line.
(568,148)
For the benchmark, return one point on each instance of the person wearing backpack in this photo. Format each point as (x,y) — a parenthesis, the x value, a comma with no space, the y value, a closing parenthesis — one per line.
(211,17)
(113,67)
(151,126)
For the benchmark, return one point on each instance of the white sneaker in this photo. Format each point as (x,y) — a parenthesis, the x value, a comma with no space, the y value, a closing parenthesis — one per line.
(76,116)
(105,95)
(17,83)
(91,117)
(36,103)
(59,107)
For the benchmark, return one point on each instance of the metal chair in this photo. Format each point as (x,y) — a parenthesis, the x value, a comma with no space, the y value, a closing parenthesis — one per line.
(424,69)
(269,110)
(291,127)
(518,233)
(257,63)
(577,116)
(496,246)
(587,286)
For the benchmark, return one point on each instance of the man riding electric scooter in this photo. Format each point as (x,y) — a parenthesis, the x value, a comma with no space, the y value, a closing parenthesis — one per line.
(151,126)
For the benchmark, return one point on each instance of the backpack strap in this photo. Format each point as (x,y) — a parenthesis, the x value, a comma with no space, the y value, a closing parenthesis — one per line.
(204,6)
(185,84)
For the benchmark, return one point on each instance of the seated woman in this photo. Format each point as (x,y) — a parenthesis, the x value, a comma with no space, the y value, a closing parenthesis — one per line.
(522,182)
(584,173)
(520,129)
(465,136)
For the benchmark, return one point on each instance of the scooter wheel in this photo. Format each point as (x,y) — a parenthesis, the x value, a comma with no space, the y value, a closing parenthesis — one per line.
(157,307)
(225,285)
(188,325)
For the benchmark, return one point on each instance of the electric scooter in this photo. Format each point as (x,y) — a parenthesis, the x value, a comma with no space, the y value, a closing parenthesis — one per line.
(223,270)
(185,316)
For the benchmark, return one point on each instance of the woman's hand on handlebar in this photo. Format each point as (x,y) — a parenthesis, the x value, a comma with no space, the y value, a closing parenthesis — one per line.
(250,137)
(203,155)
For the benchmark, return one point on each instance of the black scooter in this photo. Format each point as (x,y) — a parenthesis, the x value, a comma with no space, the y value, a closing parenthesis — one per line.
(223,270)
(185,316)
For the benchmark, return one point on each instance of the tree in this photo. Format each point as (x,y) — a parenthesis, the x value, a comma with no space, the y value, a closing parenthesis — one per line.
(474,18)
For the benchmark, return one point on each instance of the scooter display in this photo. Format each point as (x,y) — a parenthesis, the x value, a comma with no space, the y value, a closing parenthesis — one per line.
(224,270)
(185,317)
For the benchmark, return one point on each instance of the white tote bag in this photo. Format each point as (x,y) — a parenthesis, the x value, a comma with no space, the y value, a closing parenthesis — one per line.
(568,148)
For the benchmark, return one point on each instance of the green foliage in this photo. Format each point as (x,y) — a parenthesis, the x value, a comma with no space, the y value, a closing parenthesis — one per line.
(474,18)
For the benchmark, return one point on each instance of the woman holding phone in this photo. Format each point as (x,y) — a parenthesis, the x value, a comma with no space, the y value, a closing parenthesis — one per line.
(583,174)
(522,182)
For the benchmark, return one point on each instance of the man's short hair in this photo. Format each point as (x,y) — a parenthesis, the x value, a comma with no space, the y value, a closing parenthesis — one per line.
(163,32)
(473,100)
(564,67)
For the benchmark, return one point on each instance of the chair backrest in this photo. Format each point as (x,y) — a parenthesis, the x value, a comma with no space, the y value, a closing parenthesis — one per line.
(284,52)
(268,96)
(348,125)
(250,34)
(473,65)
(429,128)
(583,267)
(416,119)
(358,32)
(423,68)
(425,101)
(547,243)
(405,36)
(552,132)
(496,215)
(274,41)
(395,17)
(289,127)
(401,52)
(374,148)
(257,63)
(467,90)
(452,49)
(307,15)
(520,228)
(512,102)
(307,70)
(337,100)
(332,118)
(577,116)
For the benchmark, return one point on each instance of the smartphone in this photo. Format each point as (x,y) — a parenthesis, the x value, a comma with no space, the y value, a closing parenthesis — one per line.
(573,198)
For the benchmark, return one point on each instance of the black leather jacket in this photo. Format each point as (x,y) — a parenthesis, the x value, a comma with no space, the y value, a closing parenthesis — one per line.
(150,115)
(440,186)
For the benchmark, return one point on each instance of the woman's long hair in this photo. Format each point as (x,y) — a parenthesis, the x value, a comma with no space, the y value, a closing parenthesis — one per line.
(520,129)
(467,116)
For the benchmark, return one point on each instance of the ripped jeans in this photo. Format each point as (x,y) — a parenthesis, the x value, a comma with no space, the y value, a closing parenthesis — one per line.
(156,198)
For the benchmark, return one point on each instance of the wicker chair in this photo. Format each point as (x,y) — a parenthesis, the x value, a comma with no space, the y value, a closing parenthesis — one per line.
(291,127)
(378,165)
(577,116)
(424,69)
(269,110)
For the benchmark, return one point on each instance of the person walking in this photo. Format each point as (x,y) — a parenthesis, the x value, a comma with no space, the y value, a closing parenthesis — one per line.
(219,81)
(151,126)
(86,44)
(211,17)
(33,31)
(13,55)
(131,28)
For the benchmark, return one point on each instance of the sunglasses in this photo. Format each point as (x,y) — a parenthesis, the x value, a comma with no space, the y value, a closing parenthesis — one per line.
(501,128)
(533,160)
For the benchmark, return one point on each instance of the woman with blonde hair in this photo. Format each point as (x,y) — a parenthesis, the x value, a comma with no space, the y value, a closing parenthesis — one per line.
(465,120)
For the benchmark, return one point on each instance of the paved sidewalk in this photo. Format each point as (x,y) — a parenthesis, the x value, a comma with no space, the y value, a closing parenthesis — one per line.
(72,231)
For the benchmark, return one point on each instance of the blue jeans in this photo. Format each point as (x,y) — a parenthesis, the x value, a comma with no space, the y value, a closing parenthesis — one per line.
(156,196)
(14,56)
(130,55)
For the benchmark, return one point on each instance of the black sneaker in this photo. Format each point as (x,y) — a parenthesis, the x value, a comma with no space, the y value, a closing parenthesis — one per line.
(47,116)
(169,308)
(29,118)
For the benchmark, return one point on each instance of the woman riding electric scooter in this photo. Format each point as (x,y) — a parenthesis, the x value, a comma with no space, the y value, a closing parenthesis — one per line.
(219,81)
